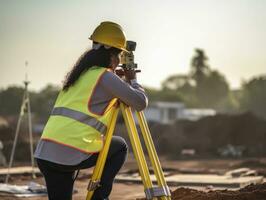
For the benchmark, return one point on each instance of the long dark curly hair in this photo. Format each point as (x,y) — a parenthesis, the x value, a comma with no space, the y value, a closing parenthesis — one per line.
(100,57)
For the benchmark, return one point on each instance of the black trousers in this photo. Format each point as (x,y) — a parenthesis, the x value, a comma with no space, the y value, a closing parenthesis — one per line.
(60,178)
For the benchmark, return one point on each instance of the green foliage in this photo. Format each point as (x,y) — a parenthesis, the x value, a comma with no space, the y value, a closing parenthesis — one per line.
(11,100)
(212,90)
(253,96)
(202,87)
(182,86)
(175,82)
(162,95)
(199,67)
(211,86)
(228,104)
(43,102)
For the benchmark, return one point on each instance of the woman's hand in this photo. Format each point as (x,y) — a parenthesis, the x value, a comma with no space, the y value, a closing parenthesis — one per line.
(129,74)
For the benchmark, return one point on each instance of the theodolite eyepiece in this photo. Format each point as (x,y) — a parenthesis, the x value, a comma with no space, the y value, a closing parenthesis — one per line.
(131,45)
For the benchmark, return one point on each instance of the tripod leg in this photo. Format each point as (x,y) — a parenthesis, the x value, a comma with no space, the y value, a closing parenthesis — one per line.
(153,155)
(15,140)
(97,172)
(136,145)
(30,134)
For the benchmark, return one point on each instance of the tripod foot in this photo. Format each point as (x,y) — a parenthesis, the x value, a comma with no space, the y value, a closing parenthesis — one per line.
(157,192)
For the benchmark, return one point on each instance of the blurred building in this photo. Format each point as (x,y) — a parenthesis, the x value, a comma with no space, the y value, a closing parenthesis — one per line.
(196,113)
(169,112)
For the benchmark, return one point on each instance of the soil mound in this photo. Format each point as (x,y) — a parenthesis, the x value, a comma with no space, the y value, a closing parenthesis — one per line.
(251,192)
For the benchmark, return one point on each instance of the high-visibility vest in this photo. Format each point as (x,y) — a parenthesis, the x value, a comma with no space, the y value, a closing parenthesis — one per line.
(72,123)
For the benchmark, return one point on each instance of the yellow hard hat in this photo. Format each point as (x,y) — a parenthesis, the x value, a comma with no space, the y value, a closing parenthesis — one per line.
(111,34)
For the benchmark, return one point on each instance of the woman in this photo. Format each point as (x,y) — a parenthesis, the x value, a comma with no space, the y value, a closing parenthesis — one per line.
(73,135)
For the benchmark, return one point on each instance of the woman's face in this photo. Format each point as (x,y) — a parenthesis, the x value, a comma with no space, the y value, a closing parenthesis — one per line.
(115,60)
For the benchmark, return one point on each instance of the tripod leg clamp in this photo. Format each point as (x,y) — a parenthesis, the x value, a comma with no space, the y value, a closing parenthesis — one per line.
(93,185)
(157,192)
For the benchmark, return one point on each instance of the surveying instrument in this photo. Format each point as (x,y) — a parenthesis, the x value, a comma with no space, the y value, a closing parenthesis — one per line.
(161,190)
(25,107)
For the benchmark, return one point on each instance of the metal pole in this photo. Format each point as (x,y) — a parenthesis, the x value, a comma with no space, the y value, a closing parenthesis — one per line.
(16,138)
(30,128)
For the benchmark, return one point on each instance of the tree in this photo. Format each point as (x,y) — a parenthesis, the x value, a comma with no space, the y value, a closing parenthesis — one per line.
(253,96)
(214,89)
(203,87)
(199,67)
(43,102)
(175,82)
(211,86)
(181,85)
(11,100)
(163,95)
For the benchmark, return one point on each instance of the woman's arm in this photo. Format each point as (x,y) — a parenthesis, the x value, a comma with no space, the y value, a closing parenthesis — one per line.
(132,95)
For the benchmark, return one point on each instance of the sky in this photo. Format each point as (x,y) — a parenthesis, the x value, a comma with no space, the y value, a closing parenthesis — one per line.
(51,35)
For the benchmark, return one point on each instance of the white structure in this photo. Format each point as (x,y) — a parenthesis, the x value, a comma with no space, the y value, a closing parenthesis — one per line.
(196,113)
(169,112)
(164,112)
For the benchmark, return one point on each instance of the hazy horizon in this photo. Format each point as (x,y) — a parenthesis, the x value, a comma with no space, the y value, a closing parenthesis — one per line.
(51,35)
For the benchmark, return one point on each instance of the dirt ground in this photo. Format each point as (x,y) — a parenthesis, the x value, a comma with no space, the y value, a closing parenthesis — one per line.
(125,191)
(135,191)
(132,191)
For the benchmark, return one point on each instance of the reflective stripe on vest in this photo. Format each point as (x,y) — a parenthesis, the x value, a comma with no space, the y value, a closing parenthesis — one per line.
(72,123)
(81,117)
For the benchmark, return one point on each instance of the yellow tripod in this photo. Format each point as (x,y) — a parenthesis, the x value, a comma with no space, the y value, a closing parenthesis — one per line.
(161,191)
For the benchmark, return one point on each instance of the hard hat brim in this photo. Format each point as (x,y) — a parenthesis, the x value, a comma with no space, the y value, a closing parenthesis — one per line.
(121,48)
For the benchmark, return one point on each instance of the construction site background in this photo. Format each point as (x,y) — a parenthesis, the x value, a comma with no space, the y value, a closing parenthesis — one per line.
(221,142)
(232,136)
